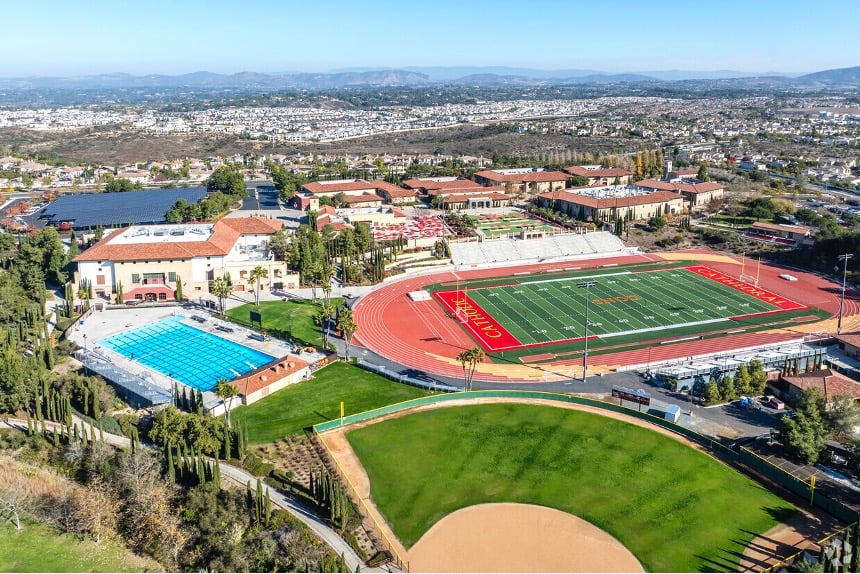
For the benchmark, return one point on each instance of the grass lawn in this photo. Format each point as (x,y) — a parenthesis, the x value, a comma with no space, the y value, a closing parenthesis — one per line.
(675,508)
(310,402)
(287,319)
(41,548)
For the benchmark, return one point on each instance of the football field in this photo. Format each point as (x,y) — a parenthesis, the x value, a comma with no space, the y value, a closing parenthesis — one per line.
(541,310)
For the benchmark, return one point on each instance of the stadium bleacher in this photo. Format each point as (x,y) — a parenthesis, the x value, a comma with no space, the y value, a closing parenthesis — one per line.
(517,250)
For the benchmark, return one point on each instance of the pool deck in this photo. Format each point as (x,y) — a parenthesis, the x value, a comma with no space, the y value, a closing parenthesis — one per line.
(103,324)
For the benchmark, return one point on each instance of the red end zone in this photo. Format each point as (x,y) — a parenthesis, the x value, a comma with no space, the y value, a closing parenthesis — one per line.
(761,294)
(482,326)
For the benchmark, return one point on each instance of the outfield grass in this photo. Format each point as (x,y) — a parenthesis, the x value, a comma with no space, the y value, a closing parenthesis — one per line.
(675,508)
(307,403)
(293,319)
(41,548)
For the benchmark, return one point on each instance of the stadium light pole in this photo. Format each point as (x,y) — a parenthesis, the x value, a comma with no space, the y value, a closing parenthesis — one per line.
(844,257)
(585,285)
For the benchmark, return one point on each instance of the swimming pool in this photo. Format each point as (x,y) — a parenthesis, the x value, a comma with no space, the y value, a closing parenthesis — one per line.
(191,356)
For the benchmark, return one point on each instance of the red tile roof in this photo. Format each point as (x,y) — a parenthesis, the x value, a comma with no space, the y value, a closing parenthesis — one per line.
(852,339)
(265,376)
(679,187)
(472,190)
(531,176)
(425,184)
(797,229)
(225,233)
(829,382)
(391,189)
(324,188)
(610,202)
(601,172)
(363,198)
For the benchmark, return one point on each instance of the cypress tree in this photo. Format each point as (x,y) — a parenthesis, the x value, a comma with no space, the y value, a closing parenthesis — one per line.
(259,501)
(185,399)
(268,508)
(217,478)
(44,430)
(193,402)
(102,433)
(171,470)
(92,432)
(86,401)
(29,425)
(39,416)
(56,434)
(199,402)
(176,401)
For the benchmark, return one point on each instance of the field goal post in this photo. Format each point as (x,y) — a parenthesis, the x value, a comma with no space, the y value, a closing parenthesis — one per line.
(460,315)
(745,273)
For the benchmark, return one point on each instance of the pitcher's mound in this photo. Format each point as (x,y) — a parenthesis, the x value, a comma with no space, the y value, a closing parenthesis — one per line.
(518,538)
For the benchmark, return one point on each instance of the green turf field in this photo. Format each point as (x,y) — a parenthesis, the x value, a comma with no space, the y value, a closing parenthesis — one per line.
(289,320)
(675,508)
(627,305)
(506,225)
(318,400)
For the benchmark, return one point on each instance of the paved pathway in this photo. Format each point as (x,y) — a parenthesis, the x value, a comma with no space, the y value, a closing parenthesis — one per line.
(242,477)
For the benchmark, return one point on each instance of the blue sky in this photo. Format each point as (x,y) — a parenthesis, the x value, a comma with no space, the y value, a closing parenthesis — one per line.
(75,37)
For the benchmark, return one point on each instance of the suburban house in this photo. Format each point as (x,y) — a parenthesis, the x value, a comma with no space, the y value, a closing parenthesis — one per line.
(698,195)
(601,174)
(147,261)
(829,382)
(526,181)
(612,202)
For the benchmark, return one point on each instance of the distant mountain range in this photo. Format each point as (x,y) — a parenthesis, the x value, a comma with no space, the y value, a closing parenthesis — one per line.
(425,76)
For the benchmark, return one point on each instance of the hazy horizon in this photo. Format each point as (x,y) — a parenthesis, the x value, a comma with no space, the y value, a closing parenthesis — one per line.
(61,39)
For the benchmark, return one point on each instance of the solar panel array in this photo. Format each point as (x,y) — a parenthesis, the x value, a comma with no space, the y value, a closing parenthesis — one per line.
(123,208)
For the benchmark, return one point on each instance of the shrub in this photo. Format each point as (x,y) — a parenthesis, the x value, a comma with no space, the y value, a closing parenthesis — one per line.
(255,465)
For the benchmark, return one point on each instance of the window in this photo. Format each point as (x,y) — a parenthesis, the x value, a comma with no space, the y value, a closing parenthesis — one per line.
(100,279)
(171,276)
(162,296)
(135,277)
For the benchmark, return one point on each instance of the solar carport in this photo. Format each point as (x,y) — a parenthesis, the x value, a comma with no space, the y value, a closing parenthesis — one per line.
(89,210)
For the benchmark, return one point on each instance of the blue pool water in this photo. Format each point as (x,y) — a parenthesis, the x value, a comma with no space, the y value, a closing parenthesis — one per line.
(191,356)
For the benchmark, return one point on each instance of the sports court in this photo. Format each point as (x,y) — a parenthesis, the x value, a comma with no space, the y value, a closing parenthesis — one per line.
(493,226)
(622,303)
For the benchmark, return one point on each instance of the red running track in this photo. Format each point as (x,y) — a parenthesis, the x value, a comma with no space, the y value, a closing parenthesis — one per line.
(421,336)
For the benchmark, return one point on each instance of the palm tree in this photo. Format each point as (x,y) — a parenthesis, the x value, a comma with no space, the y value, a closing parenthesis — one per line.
(225,390)
(256,274)
(470,359)
(347,325)
(322,318)
(222,287)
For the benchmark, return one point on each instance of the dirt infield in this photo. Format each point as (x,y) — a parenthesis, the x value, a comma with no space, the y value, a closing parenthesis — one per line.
(518,538)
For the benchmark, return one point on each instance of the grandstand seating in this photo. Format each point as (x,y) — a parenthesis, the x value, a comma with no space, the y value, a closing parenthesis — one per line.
(517,250)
